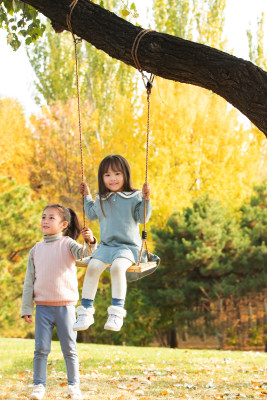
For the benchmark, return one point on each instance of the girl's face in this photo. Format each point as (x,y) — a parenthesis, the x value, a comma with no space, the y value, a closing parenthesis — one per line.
(113,180)
(51,222)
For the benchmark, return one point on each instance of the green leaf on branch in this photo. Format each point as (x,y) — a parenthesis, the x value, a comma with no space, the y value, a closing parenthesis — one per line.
(21,18)
(10,37)
(28,41)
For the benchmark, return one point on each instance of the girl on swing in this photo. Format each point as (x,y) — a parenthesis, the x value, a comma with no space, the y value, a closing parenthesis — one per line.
(119,208)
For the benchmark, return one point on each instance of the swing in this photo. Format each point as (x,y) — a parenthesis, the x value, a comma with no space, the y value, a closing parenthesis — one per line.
(140,266)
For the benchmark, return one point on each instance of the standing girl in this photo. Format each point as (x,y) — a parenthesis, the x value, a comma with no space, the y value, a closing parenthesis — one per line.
(51,282)
(119,208)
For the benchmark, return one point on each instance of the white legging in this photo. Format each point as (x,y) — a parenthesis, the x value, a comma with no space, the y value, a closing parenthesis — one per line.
(118,277)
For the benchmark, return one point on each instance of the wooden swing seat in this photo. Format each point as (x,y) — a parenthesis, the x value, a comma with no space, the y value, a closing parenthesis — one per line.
(133,268)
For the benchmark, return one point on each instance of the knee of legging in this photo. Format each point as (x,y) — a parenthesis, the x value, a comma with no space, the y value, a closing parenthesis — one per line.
(94,268)
(116,270)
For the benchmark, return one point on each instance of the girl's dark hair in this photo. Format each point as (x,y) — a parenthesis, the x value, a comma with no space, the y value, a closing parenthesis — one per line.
(73,229)
(117,163)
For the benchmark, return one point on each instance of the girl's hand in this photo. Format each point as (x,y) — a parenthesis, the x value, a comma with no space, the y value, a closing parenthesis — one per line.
(88,236)
(84,189)
(28,318)
(146,191)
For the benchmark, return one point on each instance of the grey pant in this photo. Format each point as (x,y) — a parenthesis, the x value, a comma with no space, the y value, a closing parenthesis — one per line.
(63,317)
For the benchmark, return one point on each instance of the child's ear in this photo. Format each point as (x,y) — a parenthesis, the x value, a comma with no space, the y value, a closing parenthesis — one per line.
(65,224)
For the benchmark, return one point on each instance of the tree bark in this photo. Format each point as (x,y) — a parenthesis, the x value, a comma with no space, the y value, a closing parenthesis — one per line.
(238,81)
(172,339)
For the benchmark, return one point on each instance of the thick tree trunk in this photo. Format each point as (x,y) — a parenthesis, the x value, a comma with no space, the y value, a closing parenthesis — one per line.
(172,339)
(240,82)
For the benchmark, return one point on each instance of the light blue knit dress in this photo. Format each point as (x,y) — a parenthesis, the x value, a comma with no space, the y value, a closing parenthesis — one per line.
(119,227)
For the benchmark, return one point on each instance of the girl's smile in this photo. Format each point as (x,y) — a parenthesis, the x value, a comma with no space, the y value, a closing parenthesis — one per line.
(51,222)
(113,180)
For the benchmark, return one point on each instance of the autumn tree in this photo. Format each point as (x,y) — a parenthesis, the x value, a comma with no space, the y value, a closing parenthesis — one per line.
(101,81)
(209,254)
(52,59)
(195,135)
(55,167)
(20,216)
(251,261)
(16,144)
(193,248)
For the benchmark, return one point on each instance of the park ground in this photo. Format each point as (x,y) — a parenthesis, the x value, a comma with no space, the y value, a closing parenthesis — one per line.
(132,373)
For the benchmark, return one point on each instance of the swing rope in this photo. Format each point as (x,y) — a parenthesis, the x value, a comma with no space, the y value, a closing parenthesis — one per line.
(148,83)
(76,41)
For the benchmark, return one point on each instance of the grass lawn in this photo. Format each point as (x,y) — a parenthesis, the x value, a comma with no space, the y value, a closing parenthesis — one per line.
(128,373)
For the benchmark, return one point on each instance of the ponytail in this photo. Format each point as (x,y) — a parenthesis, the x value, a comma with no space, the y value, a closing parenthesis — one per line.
(73,229)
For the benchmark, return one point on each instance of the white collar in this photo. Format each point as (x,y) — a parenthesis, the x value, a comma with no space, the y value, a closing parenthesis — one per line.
(125,195)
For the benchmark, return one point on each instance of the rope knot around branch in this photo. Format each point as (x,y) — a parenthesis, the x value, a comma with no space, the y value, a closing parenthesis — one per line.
(148,81)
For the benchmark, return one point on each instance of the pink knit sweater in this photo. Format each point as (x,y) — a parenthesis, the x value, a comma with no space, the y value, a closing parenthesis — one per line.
(55,274)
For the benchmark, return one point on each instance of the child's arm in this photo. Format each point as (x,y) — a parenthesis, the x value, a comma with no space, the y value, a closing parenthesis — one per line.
(88,202)
(140,206)
(76,248)
(27,295)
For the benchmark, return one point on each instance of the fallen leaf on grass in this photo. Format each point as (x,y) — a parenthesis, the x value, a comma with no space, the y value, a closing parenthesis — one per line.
(210,385)
(190,386)
(145,382)
(124,388)
(92,390)
(172,376)
(139,392)
(167,391)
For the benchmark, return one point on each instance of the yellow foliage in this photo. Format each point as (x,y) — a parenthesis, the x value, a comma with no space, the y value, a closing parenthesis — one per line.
(198,145)
(15,141)
(56,166)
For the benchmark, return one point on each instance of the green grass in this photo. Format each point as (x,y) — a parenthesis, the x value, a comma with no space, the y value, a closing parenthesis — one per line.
(128,373)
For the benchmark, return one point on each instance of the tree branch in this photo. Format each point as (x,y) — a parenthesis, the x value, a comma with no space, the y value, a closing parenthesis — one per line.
(238,81)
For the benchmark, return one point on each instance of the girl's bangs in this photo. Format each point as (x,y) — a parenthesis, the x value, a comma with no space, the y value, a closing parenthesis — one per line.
(114,164)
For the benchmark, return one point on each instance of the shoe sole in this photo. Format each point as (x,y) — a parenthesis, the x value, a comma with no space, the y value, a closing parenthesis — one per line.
(81,329)
(108,328)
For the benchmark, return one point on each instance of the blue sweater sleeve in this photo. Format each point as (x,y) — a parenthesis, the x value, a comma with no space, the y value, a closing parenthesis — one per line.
(139,211)
(89,208)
